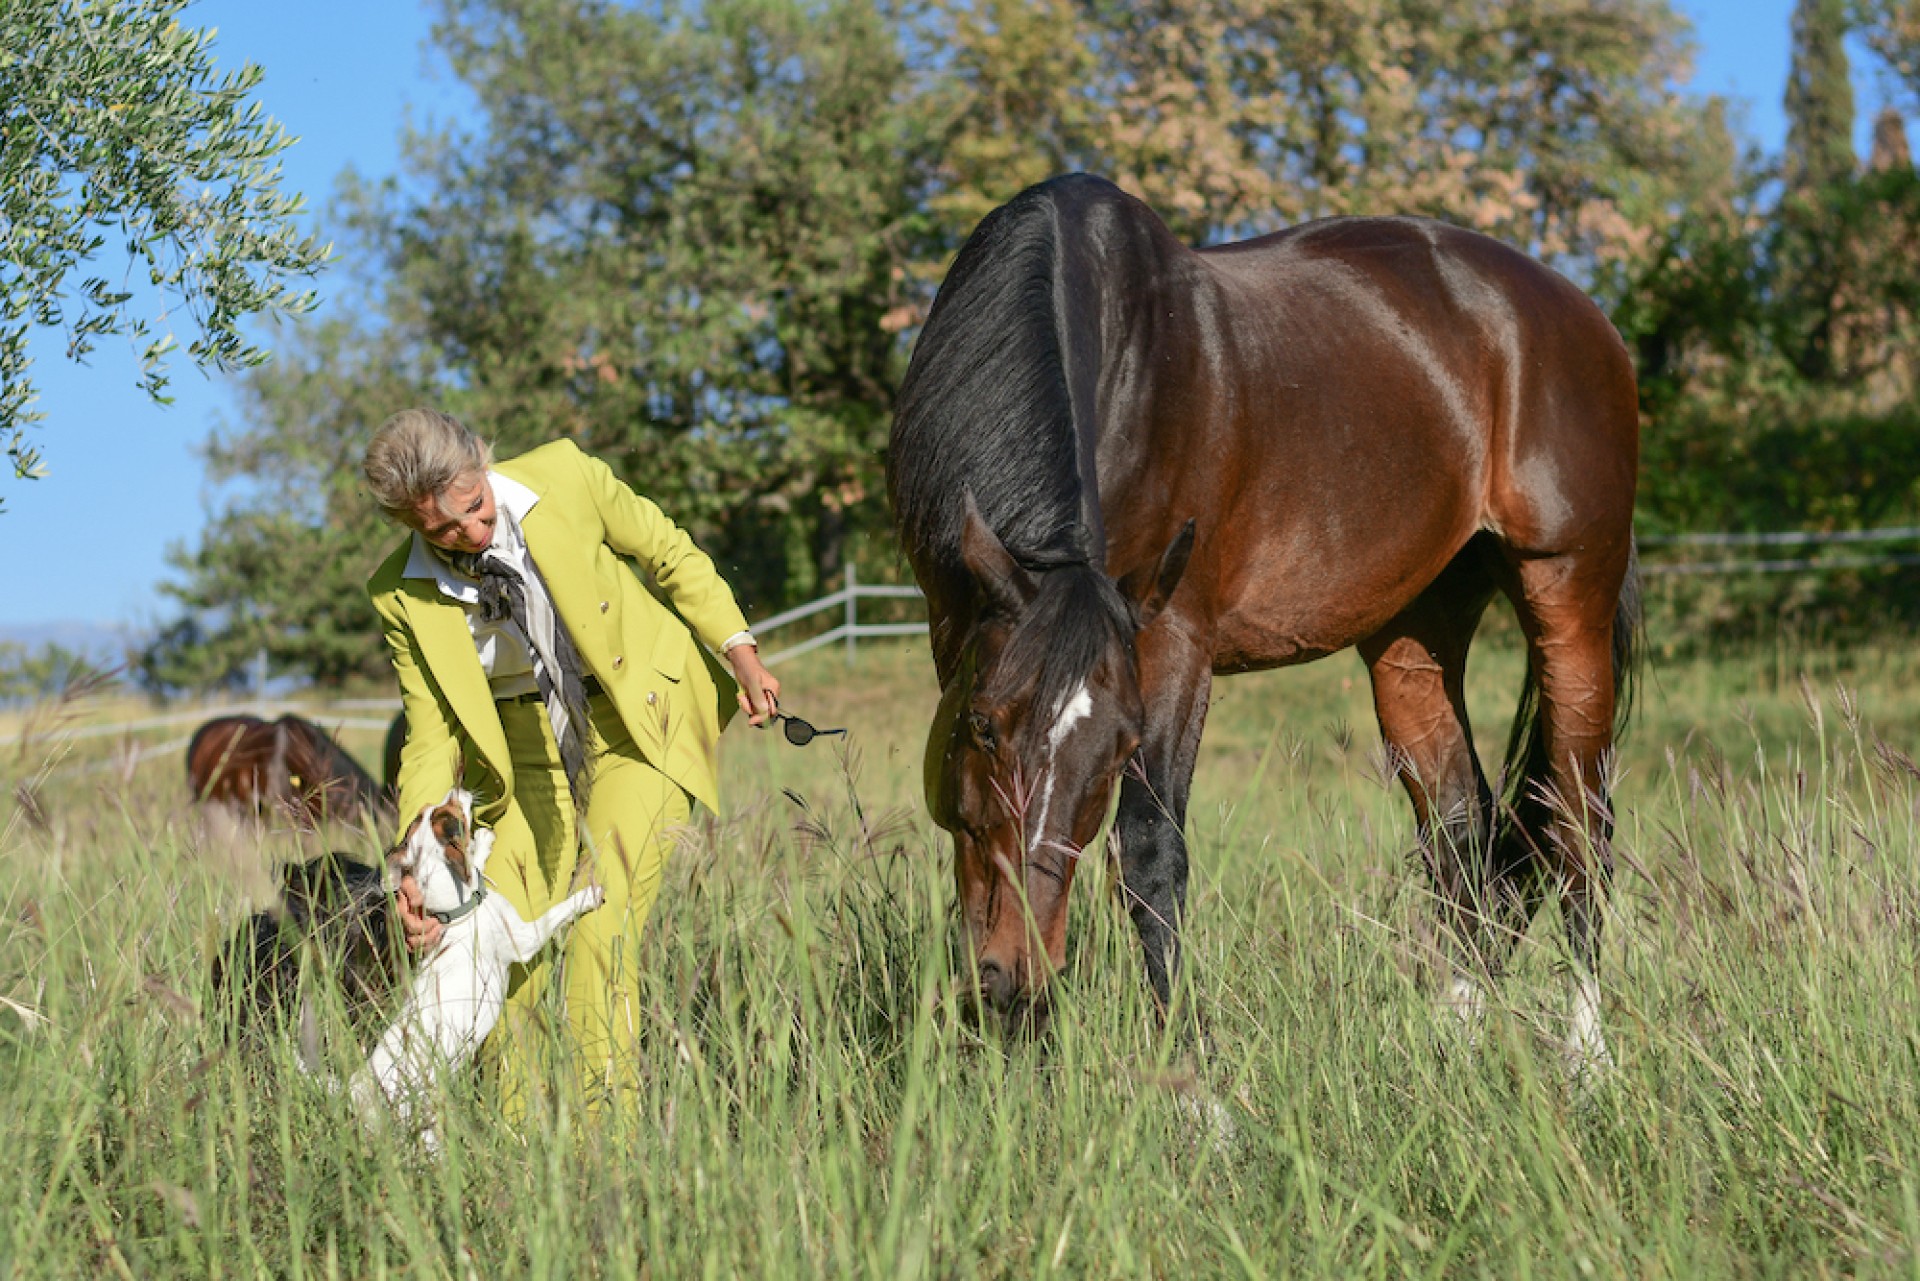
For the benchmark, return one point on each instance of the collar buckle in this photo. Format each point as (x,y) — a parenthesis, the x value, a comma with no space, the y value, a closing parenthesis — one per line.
(464,910)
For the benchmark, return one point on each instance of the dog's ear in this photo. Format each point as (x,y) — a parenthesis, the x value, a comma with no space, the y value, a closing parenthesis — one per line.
(450,828)
(400,855)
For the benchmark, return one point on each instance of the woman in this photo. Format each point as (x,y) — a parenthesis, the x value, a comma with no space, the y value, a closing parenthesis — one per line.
(539,671)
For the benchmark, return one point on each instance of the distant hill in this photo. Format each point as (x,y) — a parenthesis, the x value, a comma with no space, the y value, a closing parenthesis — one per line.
(101,643)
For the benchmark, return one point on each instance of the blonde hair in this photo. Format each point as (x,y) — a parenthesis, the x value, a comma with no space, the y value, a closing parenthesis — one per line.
(418,454)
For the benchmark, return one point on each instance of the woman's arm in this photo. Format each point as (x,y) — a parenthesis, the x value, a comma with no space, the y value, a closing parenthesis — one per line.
(430,761)
(636,527)
(429,766)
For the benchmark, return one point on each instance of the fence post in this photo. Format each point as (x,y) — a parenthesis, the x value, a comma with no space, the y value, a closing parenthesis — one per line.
(853,612)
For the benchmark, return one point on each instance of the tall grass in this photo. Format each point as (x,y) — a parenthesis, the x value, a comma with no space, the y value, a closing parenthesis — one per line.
(815,1103)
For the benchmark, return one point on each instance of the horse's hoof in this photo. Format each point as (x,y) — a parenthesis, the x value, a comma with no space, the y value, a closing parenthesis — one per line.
(1209,1121)
(1462,1011)
(1586,1056)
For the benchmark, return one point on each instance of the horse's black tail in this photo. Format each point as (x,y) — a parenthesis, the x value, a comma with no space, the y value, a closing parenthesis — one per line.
(1521,805)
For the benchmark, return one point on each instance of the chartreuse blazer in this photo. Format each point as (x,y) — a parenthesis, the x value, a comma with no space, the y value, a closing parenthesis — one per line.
(596,543)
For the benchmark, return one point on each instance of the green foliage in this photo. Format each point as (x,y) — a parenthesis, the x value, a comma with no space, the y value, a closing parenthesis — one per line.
(44,672)
(1819,99)
(1776,397)
(116,130)
(1554,124)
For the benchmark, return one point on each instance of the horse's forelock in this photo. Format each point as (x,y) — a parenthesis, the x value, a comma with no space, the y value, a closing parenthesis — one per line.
(1076,617)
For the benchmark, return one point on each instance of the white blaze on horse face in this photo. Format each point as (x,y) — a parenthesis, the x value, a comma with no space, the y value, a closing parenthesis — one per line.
(1073,709)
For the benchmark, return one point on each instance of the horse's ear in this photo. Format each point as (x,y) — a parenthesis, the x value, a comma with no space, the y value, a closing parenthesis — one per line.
(1157,591)
(1006,586)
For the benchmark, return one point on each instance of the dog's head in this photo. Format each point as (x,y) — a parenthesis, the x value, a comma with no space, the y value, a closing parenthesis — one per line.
(436,850)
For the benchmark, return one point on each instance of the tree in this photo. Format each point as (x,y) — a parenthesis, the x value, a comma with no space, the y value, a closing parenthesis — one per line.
(115,126)
(45,672)
(1819,99)
(1892,30)
(1555,124)
(1819,158)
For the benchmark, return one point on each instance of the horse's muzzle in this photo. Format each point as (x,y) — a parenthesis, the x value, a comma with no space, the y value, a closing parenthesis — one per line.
(1018,1005)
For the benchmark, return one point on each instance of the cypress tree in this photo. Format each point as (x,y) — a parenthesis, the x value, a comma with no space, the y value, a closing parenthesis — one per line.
(1819,99)
(1819,157)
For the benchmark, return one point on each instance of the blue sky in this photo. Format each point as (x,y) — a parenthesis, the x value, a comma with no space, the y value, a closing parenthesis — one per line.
(89,542)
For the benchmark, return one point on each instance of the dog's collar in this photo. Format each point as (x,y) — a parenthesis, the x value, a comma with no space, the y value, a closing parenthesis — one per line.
(465,909)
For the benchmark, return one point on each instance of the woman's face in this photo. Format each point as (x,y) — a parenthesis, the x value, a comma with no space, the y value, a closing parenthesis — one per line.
(460,518)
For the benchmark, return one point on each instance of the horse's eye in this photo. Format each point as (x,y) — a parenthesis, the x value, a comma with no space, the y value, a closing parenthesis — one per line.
(982,729)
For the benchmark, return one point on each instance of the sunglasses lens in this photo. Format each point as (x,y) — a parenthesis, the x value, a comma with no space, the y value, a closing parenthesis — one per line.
(798,732)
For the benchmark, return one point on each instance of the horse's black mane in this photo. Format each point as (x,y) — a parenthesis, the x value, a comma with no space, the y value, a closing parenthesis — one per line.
(986,406)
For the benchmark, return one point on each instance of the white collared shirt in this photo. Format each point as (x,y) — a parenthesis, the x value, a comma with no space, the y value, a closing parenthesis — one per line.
(505,655)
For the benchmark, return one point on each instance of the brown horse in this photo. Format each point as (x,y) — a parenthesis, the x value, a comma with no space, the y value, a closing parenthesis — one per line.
(291,765)
(1120,466)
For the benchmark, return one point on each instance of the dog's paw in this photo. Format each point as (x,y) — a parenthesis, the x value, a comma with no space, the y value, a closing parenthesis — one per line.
(481,847)
(593,896)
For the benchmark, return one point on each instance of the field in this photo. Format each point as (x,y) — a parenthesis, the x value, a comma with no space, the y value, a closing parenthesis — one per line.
(815,1103)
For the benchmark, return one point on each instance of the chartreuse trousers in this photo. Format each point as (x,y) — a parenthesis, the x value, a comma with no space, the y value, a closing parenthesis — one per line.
(632,811)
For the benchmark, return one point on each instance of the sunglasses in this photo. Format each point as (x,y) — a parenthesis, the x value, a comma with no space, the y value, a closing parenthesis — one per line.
(799,732)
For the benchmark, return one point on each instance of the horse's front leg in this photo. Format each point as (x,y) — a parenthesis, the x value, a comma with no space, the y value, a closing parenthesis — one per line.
(1176,673)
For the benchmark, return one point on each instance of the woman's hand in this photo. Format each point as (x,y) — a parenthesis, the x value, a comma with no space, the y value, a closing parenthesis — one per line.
(422,931)
(759,688)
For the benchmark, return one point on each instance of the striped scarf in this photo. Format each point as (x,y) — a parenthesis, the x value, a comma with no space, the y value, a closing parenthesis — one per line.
(557,666)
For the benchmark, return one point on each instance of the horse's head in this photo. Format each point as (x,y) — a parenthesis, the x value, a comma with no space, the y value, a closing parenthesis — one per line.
(1041,714)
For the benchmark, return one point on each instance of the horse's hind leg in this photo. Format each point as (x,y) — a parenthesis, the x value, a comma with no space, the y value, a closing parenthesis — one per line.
(1418,665)
(1568,607)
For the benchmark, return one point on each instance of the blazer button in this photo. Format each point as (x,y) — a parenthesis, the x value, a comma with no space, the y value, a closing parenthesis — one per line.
(603,606)
(617,661)
(652,697)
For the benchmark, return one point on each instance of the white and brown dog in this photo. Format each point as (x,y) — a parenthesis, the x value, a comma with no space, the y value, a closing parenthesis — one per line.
(460,988)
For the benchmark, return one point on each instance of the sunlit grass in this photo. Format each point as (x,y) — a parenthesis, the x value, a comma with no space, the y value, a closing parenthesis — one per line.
(815,1103)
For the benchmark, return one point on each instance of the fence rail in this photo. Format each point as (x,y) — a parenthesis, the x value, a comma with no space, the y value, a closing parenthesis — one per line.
(1783,538)
(850,629)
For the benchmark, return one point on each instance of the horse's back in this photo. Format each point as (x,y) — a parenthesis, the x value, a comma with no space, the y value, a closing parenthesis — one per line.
(1354,400)
(1530,385)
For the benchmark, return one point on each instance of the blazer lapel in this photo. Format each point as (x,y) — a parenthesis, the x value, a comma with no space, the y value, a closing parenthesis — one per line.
(546,543)
(440,625)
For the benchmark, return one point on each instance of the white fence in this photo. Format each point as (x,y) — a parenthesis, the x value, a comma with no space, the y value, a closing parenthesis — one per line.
(1787,538)
(850,630)
(339,715)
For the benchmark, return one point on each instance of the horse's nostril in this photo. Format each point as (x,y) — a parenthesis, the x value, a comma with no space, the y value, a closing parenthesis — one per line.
(996,983)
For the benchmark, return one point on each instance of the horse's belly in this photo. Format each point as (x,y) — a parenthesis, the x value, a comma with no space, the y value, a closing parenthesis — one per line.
(1280,614)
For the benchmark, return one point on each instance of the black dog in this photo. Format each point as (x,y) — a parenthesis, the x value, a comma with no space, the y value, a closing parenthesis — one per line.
(333,915)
